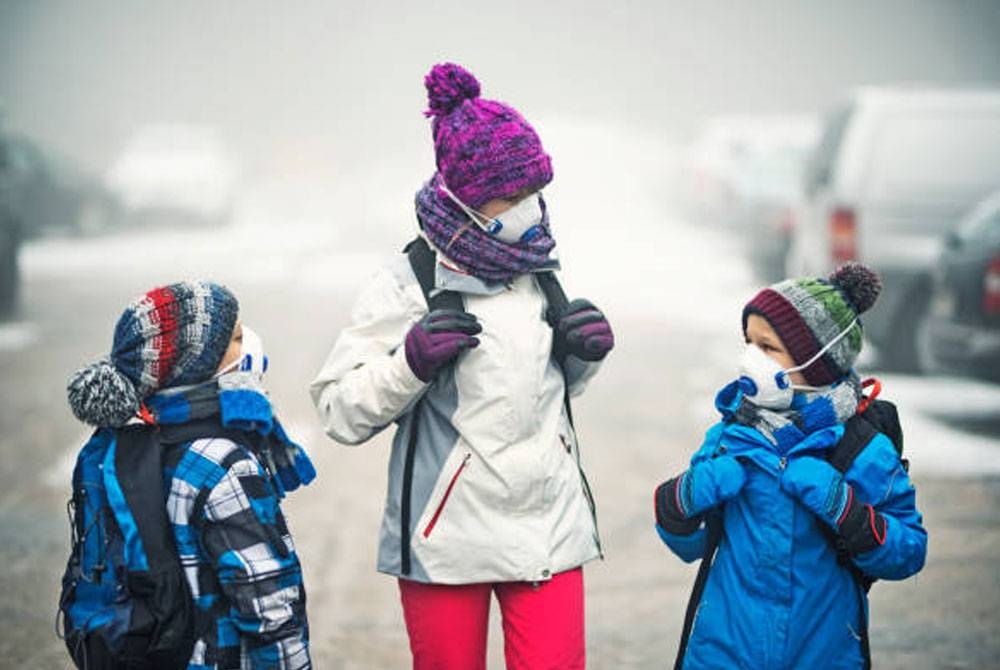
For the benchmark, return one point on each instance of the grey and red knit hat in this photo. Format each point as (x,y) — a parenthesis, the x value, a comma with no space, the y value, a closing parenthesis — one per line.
(171,336)
(484,148)
(809,312)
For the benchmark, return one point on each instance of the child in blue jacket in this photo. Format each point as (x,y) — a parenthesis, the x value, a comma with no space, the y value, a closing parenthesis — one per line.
(776,595)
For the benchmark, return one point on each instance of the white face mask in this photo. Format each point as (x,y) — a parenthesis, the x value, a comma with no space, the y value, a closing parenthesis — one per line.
(252,357)
(520,223)
(766,384)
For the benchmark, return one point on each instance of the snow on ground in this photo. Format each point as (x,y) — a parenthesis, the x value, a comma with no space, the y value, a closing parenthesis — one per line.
(933,411)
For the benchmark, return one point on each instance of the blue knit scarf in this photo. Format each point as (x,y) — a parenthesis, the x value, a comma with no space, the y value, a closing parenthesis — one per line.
(449,230)
(810,411)
(239,402)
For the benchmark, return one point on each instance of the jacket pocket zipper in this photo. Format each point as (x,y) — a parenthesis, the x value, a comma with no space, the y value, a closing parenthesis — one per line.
(444,499)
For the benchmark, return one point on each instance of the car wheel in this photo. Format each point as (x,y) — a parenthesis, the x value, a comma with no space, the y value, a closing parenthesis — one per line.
(906,349)
(92,218)
(9,273)
(924,352)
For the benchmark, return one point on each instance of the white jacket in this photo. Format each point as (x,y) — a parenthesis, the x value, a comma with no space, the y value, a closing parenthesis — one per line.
(495,491)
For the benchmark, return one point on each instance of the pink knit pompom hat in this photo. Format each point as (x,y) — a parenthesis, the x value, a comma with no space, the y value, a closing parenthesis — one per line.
(484,148)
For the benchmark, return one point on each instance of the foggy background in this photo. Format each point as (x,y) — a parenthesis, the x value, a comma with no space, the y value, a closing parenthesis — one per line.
(326,86)
(318,109)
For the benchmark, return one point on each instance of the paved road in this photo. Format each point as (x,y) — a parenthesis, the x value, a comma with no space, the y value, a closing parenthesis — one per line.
(638,423)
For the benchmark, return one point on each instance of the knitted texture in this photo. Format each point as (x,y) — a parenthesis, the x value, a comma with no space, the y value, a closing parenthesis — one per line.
(809,312)
(171,336)
(484,148)
(99,394)
(450,231)
(811,411)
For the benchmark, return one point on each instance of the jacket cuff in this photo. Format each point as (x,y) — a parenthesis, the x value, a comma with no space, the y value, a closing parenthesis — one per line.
(669,514)
(409,382)
(861,527)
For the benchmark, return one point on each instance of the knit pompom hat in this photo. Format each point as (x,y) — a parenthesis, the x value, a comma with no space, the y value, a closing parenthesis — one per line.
(809,312)
(171,336)
(484,148)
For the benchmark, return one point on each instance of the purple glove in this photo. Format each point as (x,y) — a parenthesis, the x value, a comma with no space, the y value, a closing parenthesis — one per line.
(437,339)
(582,331)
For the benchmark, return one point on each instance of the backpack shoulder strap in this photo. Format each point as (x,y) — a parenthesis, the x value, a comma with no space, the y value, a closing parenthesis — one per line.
(138,472)
(713,535)
(555,296)
(880,416)
(884,416)
(858,432)
(556,301)
(423,261)
(174,434)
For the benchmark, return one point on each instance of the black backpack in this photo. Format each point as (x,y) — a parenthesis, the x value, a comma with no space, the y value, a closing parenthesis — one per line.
(125,602)
(423,261)
(874,416)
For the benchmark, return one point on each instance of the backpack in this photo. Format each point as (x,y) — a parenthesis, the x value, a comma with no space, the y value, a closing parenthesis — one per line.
(125,601)
(423,261)
(872,417)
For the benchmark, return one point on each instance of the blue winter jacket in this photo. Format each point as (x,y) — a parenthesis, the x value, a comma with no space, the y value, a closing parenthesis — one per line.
(775,595)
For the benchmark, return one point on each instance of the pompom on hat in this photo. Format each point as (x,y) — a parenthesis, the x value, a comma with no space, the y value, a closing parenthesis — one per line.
(484,148)
(171,336)
(809,312)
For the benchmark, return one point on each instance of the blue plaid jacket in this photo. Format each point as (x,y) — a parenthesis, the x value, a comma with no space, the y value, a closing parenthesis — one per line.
(238,555)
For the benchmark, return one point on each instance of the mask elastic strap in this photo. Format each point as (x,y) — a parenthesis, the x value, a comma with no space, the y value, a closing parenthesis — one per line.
(826,347)
(469,212)
(229,368)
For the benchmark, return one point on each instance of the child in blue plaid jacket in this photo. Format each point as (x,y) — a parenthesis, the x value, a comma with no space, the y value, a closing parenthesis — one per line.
(181,356)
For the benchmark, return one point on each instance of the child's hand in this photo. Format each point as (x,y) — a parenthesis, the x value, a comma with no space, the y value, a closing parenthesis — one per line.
(823,490)
(583,331)
(706,485)
(438,338)
(817,485)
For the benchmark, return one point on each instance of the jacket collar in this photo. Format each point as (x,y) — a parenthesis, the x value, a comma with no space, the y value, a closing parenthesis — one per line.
(449,278)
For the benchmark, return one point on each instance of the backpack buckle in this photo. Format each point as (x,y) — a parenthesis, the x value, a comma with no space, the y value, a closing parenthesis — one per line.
(866,400)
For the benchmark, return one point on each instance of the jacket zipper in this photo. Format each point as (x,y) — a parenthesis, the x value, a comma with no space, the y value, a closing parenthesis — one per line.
(447,493)
(585,485)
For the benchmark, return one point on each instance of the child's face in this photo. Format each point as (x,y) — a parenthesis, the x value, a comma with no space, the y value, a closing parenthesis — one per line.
(762,335)
(234,349)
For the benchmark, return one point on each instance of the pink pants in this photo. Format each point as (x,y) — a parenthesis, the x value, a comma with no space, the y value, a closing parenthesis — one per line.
(542,624)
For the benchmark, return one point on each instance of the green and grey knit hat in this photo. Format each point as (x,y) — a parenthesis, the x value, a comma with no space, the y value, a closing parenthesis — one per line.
(809,312)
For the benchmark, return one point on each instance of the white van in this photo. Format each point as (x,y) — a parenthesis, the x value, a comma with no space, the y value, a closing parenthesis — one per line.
(175,173)
(895,169)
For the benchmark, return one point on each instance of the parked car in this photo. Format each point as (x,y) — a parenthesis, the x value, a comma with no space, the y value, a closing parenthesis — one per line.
(768,190)
(895,168)
(962,332)
(52,194)
(10,235)
(713,176)
(174,174)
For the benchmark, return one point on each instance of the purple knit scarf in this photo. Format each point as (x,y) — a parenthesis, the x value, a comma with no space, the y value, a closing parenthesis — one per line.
(470,247)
